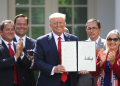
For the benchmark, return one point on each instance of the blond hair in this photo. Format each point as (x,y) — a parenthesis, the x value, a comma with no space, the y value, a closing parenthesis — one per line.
(117,33)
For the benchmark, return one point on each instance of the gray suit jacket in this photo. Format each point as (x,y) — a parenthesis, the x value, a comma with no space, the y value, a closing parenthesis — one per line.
(101,43)
(87,79)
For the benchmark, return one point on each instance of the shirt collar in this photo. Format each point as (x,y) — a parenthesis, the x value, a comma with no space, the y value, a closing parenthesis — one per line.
(56,36)
(96,40)
(7,42)
(17,38)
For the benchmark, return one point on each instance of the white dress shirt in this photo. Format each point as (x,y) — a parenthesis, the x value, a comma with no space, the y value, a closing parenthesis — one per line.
(56,38)
(56,41)
(96,41)
(18,39)
(12,46)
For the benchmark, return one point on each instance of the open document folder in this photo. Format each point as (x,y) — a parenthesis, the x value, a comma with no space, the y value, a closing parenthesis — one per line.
(78,55)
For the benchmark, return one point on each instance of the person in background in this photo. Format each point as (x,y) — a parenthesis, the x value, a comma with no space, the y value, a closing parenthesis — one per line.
(66,30)
(93,29)
(47,55)
(12,57)
(21,28)
(108,61)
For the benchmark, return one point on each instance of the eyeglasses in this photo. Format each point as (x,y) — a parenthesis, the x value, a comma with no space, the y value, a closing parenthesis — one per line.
(93,29)
(114,39)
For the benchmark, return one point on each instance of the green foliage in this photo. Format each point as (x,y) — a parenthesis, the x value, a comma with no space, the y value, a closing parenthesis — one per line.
(65,2)
(68,12)
(37,32)
(80,2)
(36,75)
(70,29)
(38,15)
(37,2)
(80,15)
(80,33)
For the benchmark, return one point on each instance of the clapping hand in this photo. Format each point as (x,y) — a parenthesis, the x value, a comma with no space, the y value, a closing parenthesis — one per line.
(111,56)
(20,47)
(102,56)
(19,50)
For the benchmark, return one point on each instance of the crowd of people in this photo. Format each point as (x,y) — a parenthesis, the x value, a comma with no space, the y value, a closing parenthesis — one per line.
(20,55)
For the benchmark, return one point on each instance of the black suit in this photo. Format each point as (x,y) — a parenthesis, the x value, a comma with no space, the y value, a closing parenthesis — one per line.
(7,66)
(28,73)
(46,57)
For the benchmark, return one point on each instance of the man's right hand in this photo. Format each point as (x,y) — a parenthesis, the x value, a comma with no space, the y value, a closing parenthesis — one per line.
(59,69)
(19,50)
(102,57)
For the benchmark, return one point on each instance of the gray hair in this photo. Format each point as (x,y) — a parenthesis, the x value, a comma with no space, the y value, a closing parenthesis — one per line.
(5,22)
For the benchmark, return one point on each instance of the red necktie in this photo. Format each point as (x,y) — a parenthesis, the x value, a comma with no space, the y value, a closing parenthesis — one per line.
(15,69)
(64,74)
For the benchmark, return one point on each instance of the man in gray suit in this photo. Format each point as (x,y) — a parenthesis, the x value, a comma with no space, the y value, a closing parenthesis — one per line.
(93,28)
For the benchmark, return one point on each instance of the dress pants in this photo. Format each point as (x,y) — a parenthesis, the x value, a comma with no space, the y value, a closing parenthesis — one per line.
(87,80)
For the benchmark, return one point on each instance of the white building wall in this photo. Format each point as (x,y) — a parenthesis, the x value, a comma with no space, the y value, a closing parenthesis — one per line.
(117,14)
(3,10)
(105,12)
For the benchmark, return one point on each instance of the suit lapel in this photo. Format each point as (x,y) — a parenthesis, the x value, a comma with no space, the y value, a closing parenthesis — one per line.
(5,49)
(100,44)
(26,46)
(52,43)
(14,39)
(66,37)
(15,45)
(27,43)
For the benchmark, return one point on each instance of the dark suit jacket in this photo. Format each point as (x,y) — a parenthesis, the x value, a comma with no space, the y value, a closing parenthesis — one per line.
(7,66)
(46,57)
(28,73)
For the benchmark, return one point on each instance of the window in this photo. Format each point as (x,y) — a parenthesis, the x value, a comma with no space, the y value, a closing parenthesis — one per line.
(35,11)
(76,16)
(38,11)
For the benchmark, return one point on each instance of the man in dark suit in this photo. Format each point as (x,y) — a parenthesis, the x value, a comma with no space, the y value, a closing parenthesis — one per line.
(12,60)
(93,29)
(47,58)
(21,28)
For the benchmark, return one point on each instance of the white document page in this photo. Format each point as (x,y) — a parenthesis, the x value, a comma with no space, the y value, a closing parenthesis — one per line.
(69,55)
(86,55)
